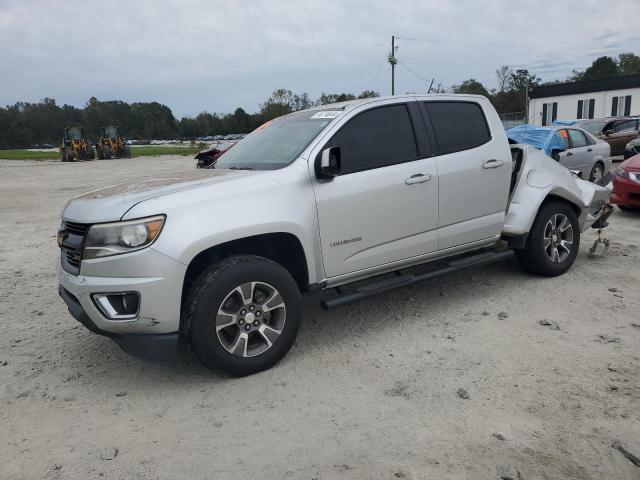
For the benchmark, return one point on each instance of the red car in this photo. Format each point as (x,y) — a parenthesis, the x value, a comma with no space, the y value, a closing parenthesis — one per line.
(626,184)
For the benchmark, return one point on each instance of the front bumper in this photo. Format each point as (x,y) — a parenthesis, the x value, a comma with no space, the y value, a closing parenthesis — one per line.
(625,192)
(150,347)
(155,277)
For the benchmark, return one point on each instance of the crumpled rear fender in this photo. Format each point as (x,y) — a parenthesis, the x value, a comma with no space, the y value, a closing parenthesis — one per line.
(543,178)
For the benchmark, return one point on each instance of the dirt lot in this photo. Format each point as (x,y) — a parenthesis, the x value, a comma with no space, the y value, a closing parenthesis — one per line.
(368,391)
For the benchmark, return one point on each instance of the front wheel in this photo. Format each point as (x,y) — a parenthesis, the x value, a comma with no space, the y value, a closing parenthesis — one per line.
(553,242)
(243,314)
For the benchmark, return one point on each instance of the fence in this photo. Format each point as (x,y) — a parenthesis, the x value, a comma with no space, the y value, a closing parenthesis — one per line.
(510,120)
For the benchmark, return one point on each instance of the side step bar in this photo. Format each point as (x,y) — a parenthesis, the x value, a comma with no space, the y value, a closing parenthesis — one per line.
(400,280)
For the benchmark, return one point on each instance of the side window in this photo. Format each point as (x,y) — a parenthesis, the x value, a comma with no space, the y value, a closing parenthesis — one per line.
(627,126)
(458,126)
(577,138)
(376,138)
(564,138)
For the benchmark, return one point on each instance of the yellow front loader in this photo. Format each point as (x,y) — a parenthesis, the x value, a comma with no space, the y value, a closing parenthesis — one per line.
(111,144)
(75,146)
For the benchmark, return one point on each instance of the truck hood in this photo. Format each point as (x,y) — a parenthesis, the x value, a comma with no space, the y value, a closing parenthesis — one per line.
(110,203)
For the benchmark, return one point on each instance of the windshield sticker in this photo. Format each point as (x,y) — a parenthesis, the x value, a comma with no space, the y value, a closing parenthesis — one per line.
(326,114)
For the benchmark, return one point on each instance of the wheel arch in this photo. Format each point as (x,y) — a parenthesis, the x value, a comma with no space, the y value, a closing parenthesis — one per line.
(281,247)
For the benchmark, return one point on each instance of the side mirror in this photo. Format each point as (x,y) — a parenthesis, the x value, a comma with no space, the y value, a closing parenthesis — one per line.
(330,162)
(608,132)
(555,153)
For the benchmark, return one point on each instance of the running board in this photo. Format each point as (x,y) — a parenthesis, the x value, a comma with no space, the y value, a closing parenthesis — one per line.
(401,280)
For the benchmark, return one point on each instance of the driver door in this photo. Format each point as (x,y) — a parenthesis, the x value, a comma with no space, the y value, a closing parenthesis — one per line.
(382,207)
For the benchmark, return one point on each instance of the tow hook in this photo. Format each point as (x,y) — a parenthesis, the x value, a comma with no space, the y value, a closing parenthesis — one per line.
(601,245)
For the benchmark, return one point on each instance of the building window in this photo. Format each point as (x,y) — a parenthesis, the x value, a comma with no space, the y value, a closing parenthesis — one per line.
(586,108)
(549,113)
(621,106)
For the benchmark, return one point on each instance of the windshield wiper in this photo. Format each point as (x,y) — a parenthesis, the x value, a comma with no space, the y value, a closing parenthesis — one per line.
(241,168)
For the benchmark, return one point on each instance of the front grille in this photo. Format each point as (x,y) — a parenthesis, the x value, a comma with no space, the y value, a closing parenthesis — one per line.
(72,245)
(79,229)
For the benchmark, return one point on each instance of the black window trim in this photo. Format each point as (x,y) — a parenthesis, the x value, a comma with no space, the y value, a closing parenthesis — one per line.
(431,130)
(420,149)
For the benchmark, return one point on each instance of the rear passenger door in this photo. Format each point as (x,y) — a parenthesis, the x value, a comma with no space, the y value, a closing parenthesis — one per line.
(580,154)
(473,172)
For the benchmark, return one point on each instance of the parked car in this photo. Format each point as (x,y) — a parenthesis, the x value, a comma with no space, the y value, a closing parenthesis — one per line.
(573,147)
(207,158)
(626,184)
(616,131)
(310,201)
(632,148)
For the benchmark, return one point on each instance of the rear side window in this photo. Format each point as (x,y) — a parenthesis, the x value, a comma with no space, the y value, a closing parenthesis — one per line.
(458,125)
(577,138)
(376,138)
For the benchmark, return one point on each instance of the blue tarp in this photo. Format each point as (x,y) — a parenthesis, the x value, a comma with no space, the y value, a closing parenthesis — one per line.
(542,138)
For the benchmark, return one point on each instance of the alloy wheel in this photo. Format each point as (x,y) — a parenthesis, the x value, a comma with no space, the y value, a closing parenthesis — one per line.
(558,238)
(250,319)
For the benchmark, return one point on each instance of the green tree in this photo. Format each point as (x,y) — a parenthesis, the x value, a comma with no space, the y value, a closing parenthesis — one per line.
(602,67)
(471,86)
(629,64)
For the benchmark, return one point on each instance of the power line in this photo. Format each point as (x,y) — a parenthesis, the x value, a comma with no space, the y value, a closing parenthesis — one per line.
(494,44)
(415,73)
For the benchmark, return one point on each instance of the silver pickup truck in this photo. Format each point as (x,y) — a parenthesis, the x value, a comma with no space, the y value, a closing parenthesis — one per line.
(322,198)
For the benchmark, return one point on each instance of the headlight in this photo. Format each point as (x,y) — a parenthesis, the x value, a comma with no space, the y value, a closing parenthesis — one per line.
(105,239)
(622,173)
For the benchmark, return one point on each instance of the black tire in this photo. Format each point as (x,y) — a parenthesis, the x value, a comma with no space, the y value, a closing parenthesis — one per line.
(206,298)
(598,167)
(92,153)
(534,256)
(106,152)
(625,208)
(69,155)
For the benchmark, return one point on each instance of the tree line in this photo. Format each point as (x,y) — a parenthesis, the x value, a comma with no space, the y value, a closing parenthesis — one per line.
(25,124)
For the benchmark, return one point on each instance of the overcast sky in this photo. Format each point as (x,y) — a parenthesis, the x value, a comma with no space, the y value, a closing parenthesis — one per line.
(218,55)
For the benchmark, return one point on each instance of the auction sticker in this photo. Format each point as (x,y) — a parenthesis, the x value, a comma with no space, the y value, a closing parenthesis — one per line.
(326,114)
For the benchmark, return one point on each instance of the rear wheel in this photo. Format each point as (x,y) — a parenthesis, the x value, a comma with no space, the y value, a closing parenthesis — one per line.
(243,314)
(597,172)
(553,242)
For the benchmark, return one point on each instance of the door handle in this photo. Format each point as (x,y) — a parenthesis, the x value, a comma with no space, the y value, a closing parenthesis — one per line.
(493,163)
(589,149)
(418,178)
(569,154)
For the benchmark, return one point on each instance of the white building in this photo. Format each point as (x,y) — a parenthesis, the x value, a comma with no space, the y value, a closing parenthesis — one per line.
(591,99)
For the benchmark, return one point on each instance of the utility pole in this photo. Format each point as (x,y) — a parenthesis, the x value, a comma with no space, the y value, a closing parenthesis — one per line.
(393,61)
(526,103)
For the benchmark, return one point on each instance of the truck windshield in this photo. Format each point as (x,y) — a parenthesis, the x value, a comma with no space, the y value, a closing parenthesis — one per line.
(278,142)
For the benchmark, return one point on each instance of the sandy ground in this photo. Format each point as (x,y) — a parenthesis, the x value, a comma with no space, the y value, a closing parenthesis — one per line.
(368,391)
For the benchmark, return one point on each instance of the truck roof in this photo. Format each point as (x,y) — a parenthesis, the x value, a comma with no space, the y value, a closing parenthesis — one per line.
(349,104)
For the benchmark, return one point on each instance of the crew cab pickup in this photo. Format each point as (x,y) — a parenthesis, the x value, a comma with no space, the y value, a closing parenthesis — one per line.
(316,199)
